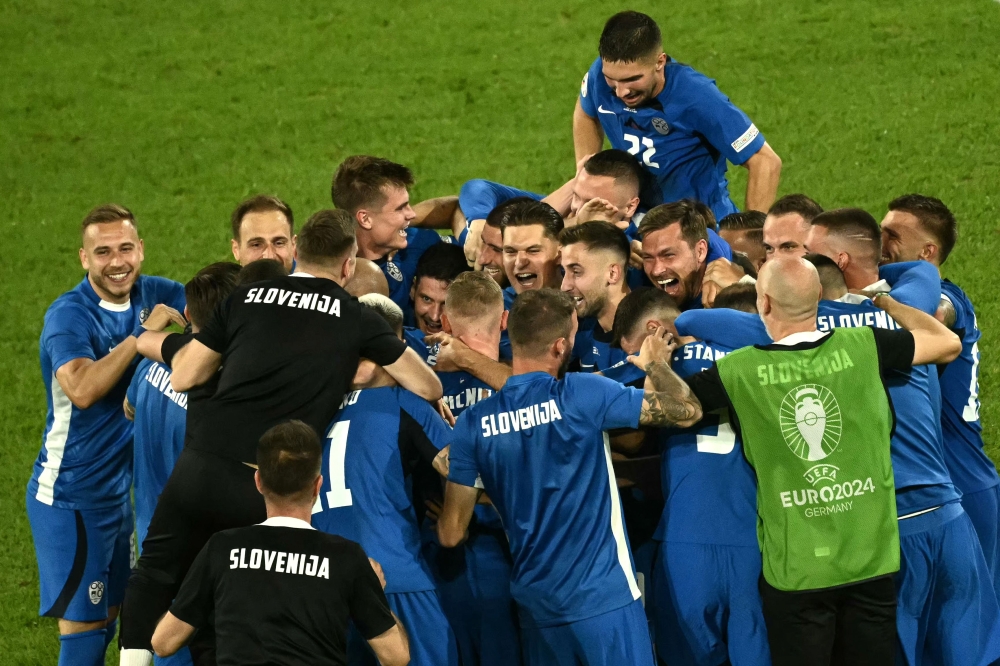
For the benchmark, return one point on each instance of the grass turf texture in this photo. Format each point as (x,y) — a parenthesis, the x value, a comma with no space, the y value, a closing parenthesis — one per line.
(179,110)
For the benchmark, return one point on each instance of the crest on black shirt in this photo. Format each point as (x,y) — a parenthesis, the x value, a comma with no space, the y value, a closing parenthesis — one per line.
(660,125)
(394,271)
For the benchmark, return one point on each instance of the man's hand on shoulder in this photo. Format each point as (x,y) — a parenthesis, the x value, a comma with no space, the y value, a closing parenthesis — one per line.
(719,274)
(162,316)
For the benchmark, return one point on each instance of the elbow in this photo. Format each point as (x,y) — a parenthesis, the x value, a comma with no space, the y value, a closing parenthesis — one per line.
(695,416)
(162,647)
(180,383)
(954,348)
(433,391)
(82,399)
(449,538)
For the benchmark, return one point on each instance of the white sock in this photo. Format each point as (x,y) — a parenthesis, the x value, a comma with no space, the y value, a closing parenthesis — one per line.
(136,658)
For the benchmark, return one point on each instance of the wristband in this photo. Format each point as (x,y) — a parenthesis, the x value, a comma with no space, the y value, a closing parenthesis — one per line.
(139,330)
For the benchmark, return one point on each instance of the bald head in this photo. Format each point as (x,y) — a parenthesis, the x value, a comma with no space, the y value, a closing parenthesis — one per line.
(788,292)
(368,279)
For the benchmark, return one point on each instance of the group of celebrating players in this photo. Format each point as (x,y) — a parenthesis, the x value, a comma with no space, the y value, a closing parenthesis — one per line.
(644,244)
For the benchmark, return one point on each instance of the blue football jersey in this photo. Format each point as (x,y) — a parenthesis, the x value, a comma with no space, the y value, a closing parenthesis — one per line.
(159,425)
(683,137)
(710,489)
(592,347)
(86,456)
(402,267)
(626,373)
(970,467)
(462,390)
(370,454)
(414,339)
(506,353)
(540,448)
(918,461)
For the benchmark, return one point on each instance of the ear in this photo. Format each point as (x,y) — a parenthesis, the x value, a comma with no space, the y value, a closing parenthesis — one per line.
(930,252)
(631,207)
(142,249)
(186,313)
(652,325)
(701,251)
(256,480)
(235,245)
(294,238)
(559,347)
(83,260)
(661,61)
(445,322)
(317,486)
(413,291)
(615,274)
(843,260)
(347,268)
(767,305)
(503,320)
(363,219)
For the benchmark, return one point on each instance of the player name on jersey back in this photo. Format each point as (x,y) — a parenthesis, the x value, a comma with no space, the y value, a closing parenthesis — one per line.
(280,562)
(294,299)
(520,419)
(159,377)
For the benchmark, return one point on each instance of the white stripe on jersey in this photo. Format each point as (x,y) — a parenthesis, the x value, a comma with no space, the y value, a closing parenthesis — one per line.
(55,443)
(617,526)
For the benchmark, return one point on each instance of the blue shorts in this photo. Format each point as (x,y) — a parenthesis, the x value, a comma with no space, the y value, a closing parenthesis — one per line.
(478,197)
(474,586)
(707,606)
(610,639)
(84,559)
(947,612)
(983,508)
(432,642)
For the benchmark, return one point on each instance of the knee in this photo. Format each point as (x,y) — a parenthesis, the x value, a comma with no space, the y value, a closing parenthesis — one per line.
(68,627)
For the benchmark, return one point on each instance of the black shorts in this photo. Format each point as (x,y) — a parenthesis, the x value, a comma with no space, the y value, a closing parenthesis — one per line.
(204,495)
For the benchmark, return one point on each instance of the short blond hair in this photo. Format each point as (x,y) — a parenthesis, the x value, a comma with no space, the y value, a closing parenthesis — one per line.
(472,294)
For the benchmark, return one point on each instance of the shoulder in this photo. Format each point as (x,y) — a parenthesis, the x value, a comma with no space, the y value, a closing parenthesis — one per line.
(158,284)
(421,239)
(688,83)
(71,306)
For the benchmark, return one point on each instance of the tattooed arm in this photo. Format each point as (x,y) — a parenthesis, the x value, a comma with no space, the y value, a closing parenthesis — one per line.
(667,400)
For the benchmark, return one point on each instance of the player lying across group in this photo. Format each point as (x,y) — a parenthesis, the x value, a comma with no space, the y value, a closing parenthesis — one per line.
(627,434)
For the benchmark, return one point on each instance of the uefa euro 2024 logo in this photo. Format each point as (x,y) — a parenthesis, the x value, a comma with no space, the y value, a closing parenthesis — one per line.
(810,421)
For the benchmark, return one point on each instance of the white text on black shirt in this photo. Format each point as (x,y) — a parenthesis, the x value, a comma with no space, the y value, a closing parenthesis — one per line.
(294,299)
(280,562)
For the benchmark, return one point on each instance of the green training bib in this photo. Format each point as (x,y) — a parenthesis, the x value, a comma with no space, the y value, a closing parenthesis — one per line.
(816,425)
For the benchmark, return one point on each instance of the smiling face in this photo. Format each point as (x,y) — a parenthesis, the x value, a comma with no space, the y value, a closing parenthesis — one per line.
(530,258)
(905,239)
(265,235)
(635,82)
(386,226)
(429,295)
(491,254)
(112,256)
(785,235)
(672,265)
(586,277)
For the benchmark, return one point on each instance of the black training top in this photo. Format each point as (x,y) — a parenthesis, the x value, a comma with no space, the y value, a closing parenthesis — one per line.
(290,348)
(282,593)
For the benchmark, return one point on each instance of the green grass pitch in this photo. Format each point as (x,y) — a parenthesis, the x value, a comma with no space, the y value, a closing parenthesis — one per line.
(180,109)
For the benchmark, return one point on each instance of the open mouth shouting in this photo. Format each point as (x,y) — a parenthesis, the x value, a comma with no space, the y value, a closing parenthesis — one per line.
(527,280)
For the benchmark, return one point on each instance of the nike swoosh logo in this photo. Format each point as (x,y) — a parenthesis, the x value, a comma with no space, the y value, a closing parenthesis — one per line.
(601,109)
(584,365)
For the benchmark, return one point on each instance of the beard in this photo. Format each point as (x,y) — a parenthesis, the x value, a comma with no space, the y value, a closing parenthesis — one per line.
(594,306)
(564,366)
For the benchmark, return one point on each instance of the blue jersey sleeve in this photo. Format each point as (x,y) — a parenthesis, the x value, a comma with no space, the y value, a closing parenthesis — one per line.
(914,283)
(718,248)
(729,328)
(604,401)
(65,336)
(437,430)
(170,293)
(588,89)
(711,114)
(463,469)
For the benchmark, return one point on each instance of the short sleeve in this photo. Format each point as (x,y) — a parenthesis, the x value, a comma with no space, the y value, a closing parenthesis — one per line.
(214,334)
(65,336)
(463,469)
(587,90)
(368,606)
(707,386)
(608,403)
(378,342)
(432,428)
(196,598)
(895,349)
(914,283)
(711,114)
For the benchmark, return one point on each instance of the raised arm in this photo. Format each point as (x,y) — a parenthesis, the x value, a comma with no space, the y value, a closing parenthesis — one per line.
(588,135)
(416,376)
(932,341)
(764,172)
(666,399)
(193,365)
(435,213)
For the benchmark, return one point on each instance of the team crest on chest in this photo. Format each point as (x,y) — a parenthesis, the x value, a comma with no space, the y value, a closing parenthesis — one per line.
(96,591)
(660,125)
(143,315)
(394,271)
